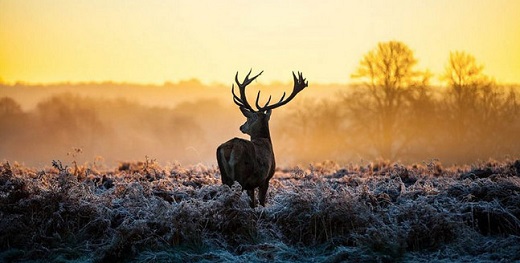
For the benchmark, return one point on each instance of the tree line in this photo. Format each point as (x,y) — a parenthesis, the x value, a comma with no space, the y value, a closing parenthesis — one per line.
(106,130)
(393,112)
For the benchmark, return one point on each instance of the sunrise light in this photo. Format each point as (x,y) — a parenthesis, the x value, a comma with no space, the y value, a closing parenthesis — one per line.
(44,41)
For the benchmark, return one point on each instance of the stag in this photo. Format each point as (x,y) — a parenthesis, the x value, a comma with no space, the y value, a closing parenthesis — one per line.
(252,163)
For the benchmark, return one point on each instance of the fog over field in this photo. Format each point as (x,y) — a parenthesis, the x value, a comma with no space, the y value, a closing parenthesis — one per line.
(182,122)
(186,121)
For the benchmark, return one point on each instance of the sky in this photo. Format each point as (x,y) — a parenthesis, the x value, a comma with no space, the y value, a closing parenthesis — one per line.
(152,41)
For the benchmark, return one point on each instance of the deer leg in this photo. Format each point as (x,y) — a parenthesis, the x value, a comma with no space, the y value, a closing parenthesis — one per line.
(224,168)
(251,194)
(262,192)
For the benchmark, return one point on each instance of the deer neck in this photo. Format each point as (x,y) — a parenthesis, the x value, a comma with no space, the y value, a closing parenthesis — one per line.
(263,147)
(262,135)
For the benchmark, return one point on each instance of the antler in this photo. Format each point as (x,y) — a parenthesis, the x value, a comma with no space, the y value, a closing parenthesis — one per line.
(242,101)
(299,84)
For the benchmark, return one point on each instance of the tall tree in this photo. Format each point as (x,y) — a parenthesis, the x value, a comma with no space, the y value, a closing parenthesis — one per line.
(478,111)
(465,79)
(380,107)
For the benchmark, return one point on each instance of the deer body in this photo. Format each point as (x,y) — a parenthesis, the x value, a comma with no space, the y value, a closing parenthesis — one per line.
(252,163)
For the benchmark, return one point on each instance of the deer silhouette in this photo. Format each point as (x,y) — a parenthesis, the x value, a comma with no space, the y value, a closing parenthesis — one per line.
(252,163)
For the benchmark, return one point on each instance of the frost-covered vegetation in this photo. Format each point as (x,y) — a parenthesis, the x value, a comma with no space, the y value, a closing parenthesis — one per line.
(377,212)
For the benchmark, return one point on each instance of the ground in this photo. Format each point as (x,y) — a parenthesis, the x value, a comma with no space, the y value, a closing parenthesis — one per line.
(373,212)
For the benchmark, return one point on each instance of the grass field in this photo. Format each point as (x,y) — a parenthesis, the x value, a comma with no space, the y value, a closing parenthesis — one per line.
(376,212)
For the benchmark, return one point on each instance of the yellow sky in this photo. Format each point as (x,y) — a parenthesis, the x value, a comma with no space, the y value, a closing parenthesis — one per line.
(156,41)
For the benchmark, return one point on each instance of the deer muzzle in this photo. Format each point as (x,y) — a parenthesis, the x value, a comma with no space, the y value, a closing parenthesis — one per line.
(243,129)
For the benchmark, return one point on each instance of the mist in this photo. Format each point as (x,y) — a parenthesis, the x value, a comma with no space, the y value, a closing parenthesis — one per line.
(109,123)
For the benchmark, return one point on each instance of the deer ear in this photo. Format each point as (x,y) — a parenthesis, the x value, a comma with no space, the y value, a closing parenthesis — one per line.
(268,114)
(246,112)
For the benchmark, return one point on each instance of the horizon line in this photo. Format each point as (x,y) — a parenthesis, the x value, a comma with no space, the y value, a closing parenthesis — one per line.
(194,80)
(164,83)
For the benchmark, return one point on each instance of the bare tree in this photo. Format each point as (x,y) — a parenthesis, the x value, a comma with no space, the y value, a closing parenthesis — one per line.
(8,106)
(12,121)
(379,108)
(464,79)
(479,113)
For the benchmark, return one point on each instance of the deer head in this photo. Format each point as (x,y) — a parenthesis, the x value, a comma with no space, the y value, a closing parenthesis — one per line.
(257,120)
(255,123)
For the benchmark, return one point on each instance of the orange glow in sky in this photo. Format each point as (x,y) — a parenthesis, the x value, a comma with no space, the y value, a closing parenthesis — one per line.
(157,41)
